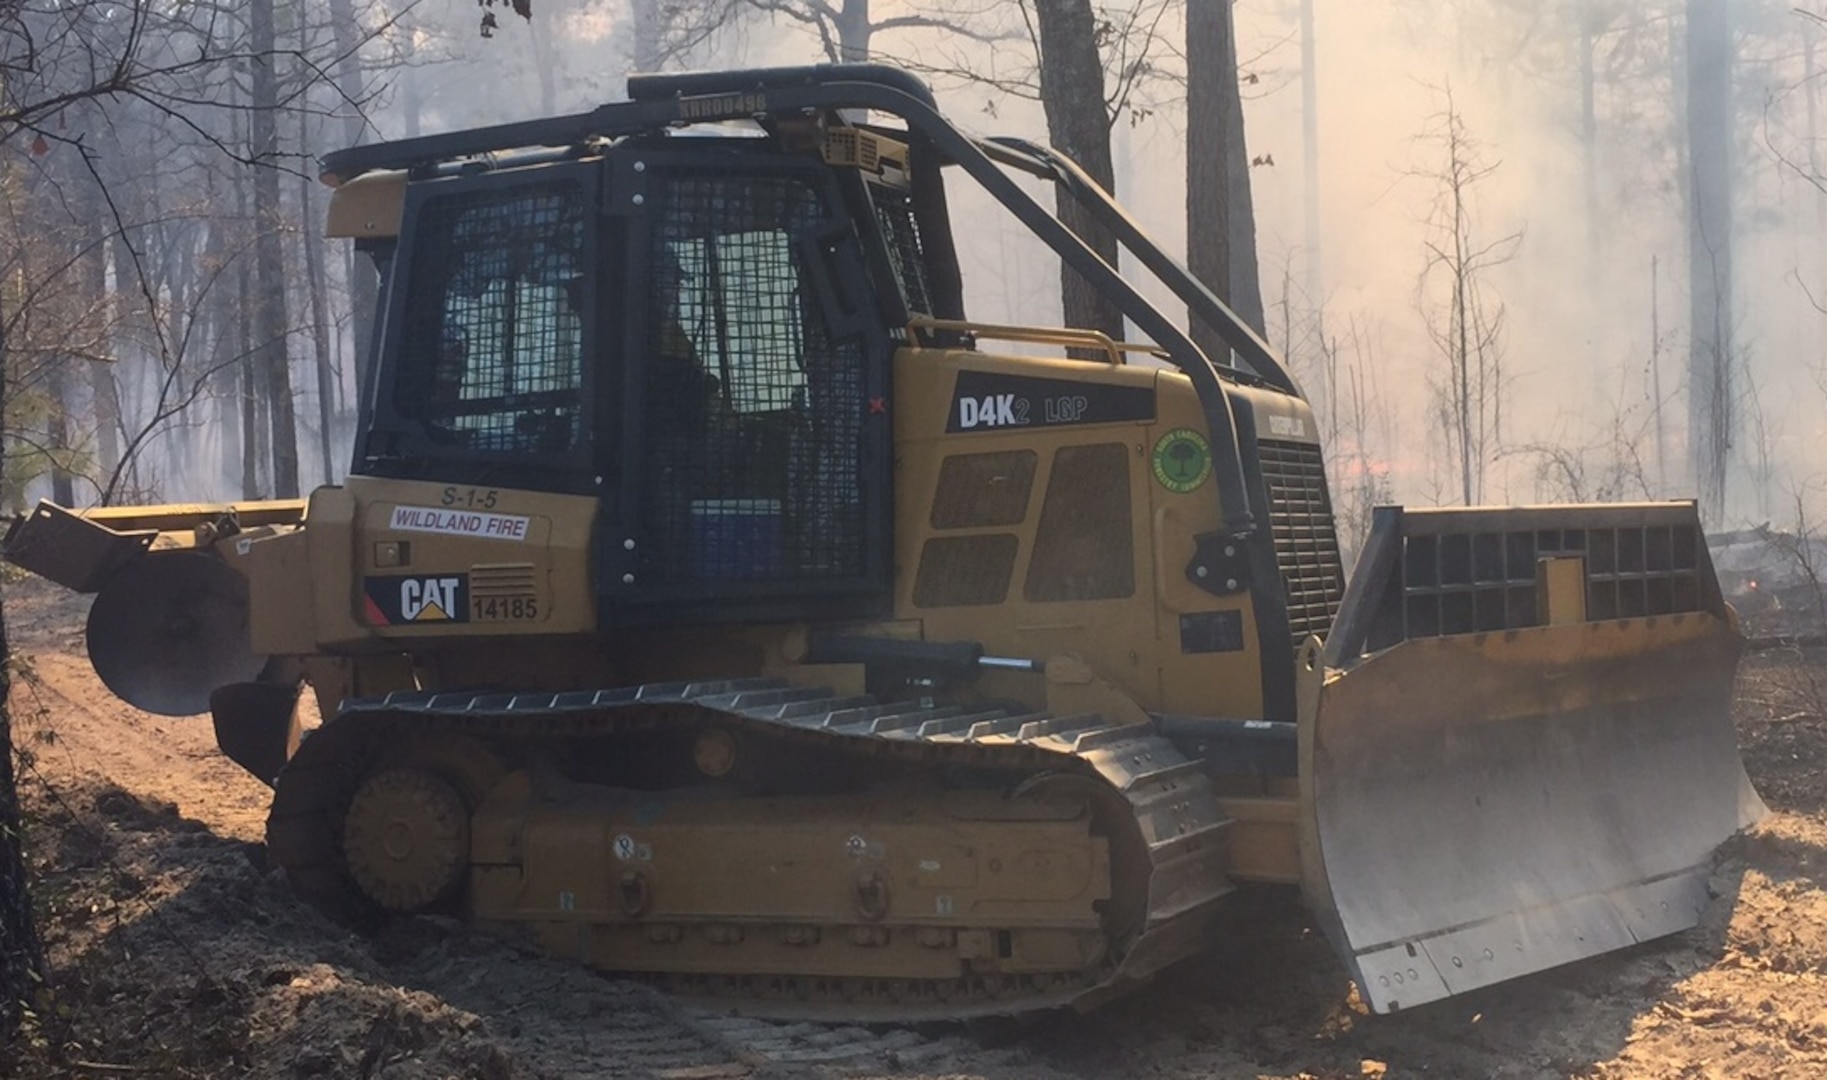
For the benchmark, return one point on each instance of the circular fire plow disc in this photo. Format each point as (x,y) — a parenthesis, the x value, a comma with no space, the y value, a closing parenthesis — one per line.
(168,629)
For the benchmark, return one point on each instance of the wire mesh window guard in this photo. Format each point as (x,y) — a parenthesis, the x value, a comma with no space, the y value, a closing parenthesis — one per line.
(753,414)
(494,326)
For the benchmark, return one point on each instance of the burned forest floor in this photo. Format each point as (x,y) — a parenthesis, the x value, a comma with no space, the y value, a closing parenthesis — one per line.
(176,952)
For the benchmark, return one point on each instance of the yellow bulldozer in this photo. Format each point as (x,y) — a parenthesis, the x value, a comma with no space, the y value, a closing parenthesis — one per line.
(712,600)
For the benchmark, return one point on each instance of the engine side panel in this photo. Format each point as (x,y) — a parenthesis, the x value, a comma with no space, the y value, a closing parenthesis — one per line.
(1041,510)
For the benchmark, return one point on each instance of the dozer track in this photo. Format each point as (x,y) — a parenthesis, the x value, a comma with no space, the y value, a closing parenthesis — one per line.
(1153,807)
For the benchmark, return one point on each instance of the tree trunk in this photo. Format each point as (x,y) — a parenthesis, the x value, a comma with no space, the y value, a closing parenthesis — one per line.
(1220,230)
(248,390)
(1310,174)
(21,959)
(269,259)
(1811,84)
(854,31)
(1208,202)
(1709,221)
(364,286)
(1246,284)
(57,433)
(104,393)
(545,62)
(412,106)
(649,35)
(1589,153)
(1078,124)
(320,334)
(218,444)
(240,328)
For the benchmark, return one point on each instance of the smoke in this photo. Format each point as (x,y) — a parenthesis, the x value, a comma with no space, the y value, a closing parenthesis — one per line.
(1595,402)
(1597,194)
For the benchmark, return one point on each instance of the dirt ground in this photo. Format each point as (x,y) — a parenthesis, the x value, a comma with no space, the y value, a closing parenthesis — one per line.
(175,952)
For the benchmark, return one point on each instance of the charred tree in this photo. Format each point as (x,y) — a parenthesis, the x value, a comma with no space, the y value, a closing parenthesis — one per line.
(649,35)
(240,329)
(1710,401)
(1220,221)
(93,287)
(364,284)
(546,64)
(1078,124)
(21,958)
(854,30)
(273,361)
(846,29)
(320,334)
(1309,167)
(57,440)
(1465,321)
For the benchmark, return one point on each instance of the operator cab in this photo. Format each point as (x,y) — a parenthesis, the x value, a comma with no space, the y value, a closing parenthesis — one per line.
(694,330)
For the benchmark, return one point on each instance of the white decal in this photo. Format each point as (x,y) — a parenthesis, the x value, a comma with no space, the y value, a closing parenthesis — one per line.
(1067,410)
(459,523)
(856,846)
(624,847)
(1288,426)
(992,410)
(429,599)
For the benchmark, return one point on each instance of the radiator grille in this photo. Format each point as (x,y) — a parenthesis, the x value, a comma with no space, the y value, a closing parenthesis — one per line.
(1306,545)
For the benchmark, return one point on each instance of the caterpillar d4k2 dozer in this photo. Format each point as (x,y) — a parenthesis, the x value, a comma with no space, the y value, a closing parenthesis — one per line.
(711,600)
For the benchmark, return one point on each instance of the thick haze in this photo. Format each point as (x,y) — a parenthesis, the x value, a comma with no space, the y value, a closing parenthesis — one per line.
(1578,415)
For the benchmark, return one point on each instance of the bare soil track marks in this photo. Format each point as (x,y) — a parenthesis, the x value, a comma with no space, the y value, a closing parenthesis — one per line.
(177,953)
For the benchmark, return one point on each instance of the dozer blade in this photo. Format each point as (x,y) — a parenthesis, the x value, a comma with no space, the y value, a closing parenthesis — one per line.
(169,628)
(1512,785)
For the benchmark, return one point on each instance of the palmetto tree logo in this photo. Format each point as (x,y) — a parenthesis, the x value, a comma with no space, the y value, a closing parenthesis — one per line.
(1182,460)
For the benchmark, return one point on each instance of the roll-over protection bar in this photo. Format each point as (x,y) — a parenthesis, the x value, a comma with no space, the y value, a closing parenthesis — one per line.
(668,100)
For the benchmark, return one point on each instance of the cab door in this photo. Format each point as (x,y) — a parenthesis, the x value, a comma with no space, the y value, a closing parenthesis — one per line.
(755,449)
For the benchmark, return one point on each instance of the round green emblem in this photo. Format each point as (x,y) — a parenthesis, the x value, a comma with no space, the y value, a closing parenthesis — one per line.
(1183,460)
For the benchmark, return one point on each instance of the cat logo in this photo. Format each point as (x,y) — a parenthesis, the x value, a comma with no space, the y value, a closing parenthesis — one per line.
(428,599)
(392,600)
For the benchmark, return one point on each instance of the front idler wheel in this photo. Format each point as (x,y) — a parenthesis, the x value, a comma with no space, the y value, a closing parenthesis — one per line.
(406,839)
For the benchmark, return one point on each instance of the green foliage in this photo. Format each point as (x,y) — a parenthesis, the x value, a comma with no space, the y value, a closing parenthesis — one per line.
(53,327)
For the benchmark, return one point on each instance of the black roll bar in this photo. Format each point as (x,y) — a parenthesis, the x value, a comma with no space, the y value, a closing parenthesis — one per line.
(1049,164)
(674,99)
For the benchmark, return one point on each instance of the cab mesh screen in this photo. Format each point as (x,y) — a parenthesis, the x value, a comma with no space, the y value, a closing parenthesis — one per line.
(494,334)
(753,413)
